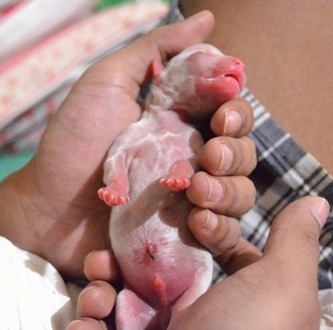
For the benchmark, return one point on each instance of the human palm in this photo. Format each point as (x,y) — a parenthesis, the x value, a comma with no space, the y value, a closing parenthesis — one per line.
(66,173)
(53,206)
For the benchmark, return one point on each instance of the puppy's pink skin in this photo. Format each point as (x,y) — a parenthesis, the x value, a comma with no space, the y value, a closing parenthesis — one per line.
(146,172)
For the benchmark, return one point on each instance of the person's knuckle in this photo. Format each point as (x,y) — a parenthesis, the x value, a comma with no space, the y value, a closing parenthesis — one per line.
(230,237)
(311,242)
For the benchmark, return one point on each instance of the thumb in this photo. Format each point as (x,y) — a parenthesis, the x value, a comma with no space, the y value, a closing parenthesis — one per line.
(293,242)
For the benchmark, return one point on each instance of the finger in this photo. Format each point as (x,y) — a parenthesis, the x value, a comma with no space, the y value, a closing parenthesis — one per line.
(127,70)
(242,255)
(160,45)
(86,323)
(224,155)
(292,245)
(96,300)
(234,118)
(221,235)
(101,265)
(232,196)
(218,233)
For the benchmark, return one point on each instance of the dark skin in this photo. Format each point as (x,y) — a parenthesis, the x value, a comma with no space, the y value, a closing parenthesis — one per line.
(274,301)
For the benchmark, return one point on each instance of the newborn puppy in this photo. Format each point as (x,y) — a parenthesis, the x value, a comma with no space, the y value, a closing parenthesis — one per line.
(146,173)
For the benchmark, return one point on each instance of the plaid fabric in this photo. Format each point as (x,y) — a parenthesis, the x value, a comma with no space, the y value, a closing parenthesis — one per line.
(285,172)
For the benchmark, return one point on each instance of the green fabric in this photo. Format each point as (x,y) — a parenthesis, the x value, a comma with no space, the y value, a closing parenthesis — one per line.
(107,3)
(10,164)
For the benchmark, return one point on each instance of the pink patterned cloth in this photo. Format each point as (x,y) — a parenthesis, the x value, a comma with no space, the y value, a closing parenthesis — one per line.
(33,84)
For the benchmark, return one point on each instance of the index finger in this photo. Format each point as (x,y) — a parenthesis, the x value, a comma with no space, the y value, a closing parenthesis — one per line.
(128,67)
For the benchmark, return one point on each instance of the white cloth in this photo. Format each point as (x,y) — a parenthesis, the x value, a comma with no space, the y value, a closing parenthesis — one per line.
(33,296)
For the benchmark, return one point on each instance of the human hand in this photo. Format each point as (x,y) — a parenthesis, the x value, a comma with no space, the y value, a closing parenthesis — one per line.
(51,207)
(223,190)
(277,291)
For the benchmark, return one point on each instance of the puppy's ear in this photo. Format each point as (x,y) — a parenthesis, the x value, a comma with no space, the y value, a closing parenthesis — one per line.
(156,68)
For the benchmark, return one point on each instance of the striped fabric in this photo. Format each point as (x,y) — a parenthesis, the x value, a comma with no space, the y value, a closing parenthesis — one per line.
(33,84)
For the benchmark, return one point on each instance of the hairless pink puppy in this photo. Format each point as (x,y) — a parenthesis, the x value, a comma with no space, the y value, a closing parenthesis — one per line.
(147,172)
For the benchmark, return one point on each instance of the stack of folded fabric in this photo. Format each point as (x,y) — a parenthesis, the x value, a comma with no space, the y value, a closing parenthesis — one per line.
(46,45)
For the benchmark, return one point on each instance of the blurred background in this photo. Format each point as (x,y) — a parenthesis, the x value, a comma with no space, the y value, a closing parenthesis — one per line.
(46,45)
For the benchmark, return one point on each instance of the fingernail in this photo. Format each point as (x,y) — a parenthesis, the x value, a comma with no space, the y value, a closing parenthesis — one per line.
(82,293)
(198,15)
(86,289)
(233,122)
(211,221)
(215,190)
(226,157)
(320,209)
